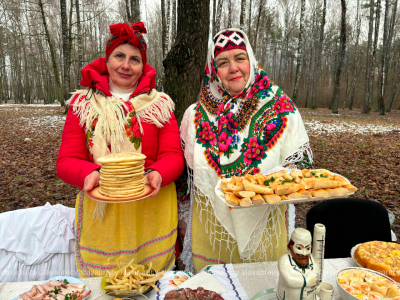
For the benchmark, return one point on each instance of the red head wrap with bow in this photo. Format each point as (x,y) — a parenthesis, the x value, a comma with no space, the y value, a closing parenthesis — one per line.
(130,33)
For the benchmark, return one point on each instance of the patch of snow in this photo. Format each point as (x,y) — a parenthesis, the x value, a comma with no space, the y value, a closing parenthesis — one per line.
(27,139)
(51,121)
(30,105)
(317,127)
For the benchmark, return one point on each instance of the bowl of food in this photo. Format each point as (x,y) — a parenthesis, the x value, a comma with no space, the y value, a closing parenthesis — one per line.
(130,279)
(360,283)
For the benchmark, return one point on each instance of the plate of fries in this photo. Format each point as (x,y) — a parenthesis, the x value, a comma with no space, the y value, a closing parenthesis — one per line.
(131,277)
(283,187)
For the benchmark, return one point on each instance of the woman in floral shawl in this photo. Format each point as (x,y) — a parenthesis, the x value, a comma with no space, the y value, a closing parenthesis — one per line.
(243,124)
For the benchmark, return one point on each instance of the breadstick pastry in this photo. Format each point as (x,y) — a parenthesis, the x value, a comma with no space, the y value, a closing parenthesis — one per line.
(232,187)
(250,178)
(332,192)
(342,191)
(284,197)
(305,194)
(308,183)
(276,174)
(244,194)
(248,186)
(272,199)
(288,188)
(306,172)
(319,193)
(326,184)
(245,202)
(294,196)
(351,188)
(257,199)
(231,199)
(296,173)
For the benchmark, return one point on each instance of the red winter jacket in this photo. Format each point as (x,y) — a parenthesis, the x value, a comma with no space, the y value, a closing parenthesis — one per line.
(161,146)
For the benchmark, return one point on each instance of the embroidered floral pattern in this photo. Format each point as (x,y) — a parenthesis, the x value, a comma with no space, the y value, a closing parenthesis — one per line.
(132,128)
(266,126)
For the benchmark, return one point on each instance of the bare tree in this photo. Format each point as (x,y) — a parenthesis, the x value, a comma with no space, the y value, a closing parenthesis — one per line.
(164,28)
(59,93)
(173,22)
(185,61)
(318,58)
(229,13)
(358,29)
(79,35)
(65,48)
(336,90)
(299,51)
(385,49)
(369,59)
(217,24)
(257,29)
(242,13)
(374,52)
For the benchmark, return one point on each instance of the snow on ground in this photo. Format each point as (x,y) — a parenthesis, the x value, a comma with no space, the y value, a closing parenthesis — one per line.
(45,121)
(29,105)
(318,128)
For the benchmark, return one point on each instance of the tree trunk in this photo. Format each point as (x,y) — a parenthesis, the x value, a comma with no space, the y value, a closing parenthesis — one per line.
(53,57)
(336,90)
(164,29)
(185,62)
(260,11)
(173,22)
(318,58)
(353,84)
(128,11)
(394,92)
(135,11)
(374,58)
(385,45)
(250,13)
(229,13)
(168,26)
(242,13)
(65,48)
(217,27)
(299,52)
(79,31)
(369,58)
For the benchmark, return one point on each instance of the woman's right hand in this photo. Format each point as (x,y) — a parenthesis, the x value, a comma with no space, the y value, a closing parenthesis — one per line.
(91,181)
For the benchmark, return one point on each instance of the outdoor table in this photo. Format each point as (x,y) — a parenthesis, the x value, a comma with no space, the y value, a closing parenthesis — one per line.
(254,277)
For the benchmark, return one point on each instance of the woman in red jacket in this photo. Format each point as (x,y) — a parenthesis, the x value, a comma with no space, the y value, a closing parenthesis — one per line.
(120,111)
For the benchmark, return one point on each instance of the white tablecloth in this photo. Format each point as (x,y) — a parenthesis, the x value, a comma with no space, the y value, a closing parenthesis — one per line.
(254,278)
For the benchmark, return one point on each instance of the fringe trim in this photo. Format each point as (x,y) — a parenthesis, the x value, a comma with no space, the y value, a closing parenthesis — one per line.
(99,211)
(111,120)
(159,112)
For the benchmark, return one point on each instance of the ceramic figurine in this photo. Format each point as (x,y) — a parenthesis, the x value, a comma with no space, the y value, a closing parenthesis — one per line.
(300,270)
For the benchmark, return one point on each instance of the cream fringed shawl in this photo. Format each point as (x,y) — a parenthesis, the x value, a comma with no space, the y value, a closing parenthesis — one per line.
(105,120)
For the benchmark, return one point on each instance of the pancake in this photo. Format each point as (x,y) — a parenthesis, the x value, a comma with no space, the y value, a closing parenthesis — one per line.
(122,175)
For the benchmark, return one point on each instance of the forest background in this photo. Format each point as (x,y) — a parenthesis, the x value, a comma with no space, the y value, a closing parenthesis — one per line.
(339,60)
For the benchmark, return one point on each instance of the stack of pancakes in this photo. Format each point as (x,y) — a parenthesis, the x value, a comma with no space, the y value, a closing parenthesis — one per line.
(121,175)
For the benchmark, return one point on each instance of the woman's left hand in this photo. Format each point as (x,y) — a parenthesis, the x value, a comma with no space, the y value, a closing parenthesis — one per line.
(154,179)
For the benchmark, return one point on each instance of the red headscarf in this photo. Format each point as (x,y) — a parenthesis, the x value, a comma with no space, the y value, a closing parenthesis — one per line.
(127,33)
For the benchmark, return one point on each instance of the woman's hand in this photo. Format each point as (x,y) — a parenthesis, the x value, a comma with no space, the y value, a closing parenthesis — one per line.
(91,181)
(154,179)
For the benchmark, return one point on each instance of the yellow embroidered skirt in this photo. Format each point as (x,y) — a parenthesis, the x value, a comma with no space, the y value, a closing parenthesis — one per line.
(205,254)
(145,230)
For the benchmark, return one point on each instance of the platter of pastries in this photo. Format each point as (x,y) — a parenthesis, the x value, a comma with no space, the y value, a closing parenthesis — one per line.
(383,257)
(282,187)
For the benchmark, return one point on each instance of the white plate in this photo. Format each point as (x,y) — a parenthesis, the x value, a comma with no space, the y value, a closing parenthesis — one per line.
(352,251)
(57,278)
(268,294)
(221,196)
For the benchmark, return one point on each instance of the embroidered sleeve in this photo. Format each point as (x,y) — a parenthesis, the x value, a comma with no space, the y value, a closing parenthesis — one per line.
(302,159)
